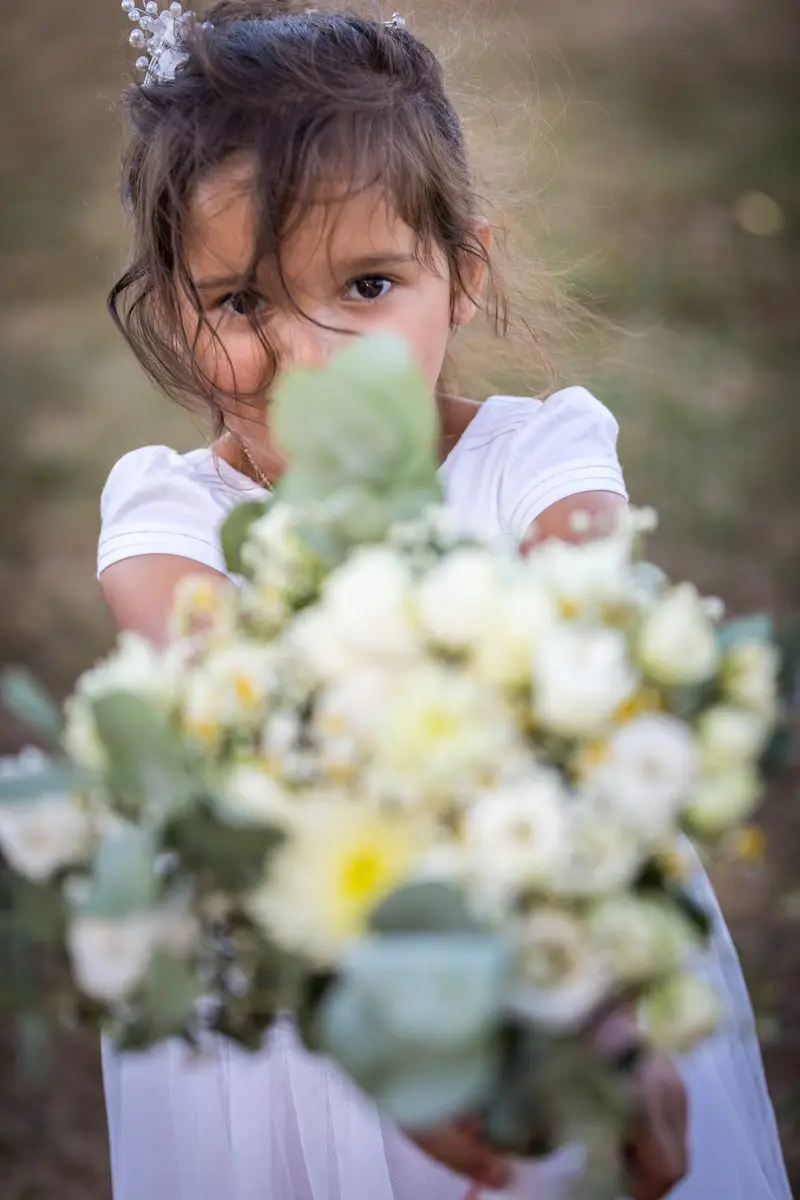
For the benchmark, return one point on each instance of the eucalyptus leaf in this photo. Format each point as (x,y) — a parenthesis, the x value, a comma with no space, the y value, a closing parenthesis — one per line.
(38,910)
(757,627)
(124,879)
(233,858)
(345,1029)
(148,764)
(425,1091)
(367,418)
(425,907)
(235,532)
(27,700)
(54,779)
(430,991)
(171,990)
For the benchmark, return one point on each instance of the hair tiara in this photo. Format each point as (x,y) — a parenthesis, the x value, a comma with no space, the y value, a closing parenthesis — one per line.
(159,35)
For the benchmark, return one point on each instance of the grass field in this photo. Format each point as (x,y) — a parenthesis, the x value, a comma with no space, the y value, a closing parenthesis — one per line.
(649,151)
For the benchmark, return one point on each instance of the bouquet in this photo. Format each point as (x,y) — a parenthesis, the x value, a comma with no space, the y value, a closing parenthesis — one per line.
(429,796)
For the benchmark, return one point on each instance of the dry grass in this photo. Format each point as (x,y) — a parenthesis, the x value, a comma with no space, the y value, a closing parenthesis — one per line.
(633,130)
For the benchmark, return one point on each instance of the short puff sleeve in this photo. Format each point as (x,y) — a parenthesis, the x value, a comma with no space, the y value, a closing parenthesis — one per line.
(565,447)
(153,503)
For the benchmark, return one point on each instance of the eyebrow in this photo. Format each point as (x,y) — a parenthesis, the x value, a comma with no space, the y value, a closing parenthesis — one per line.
(355,266)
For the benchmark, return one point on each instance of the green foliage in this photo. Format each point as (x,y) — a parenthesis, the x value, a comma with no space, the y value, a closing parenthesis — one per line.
(171,990)
(148,765)
(428,907)
(55,779)
(414,1019)
(361,437)
(227,857)
(29,703)
(235,531)
(123,879)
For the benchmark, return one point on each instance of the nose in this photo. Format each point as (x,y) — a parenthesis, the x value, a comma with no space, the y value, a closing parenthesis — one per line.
(307,341)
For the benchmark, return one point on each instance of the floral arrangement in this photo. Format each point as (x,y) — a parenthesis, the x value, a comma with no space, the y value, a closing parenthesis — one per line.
(431,797)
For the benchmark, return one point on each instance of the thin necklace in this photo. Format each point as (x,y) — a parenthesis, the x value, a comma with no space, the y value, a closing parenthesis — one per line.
(261,478)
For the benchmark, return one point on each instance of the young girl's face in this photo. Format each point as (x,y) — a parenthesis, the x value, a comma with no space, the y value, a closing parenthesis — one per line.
(350,268)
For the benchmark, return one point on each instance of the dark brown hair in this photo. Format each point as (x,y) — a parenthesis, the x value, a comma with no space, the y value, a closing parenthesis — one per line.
(310,97)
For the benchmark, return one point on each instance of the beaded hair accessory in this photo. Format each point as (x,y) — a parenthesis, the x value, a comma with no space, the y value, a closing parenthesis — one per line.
(159,36)
(160,32)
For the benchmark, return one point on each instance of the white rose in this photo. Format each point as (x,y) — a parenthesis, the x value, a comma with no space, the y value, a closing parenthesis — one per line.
(603,854)
(561,979)
(233,686)
(641,938)
(581,677)
(649,770)
(110,957)
(730,736)
(516,834)
(248,793)
(135,666)
(677,643)
(505,648)
(680,1013)
(441,735)
(722,799)
(40,836)
(749,676)
(314,636)
(369,603)
(460,598)
(586,575)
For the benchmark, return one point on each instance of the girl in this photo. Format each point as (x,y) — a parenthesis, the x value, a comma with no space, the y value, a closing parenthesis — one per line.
(299,180)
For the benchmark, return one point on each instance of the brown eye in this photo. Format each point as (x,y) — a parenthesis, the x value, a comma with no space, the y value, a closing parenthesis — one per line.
(370,288)
(243,304)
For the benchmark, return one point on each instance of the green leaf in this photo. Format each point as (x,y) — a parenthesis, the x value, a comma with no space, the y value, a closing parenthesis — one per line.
(235,532)
(517,1114)
(123,880)
(758,627)
(171,990)
(429,991)
(366,419)
(425,1091)
(148,764)
(27,700)
(38,910)
(233,858)
(56,779)
(427,907)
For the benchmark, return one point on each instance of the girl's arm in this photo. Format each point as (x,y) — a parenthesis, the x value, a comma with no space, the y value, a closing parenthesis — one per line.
(139,591)
(587,515)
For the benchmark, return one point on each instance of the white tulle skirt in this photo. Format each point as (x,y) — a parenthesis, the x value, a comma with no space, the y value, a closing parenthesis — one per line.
(285,1125)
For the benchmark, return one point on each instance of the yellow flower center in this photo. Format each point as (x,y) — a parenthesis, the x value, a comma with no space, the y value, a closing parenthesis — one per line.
(362,874)
(246,691)
(750,844)
(440,723)
(646,700)
(569,610)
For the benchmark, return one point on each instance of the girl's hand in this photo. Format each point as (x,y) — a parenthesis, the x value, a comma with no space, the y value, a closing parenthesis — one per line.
(656,1152)
(458,1146)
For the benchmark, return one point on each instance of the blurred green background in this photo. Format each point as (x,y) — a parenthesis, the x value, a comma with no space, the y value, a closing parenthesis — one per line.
(654,150)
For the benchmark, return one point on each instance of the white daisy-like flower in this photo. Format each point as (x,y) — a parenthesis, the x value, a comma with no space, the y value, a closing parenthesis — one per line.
(581,677)
(561,978)
(39,837)
(647,772)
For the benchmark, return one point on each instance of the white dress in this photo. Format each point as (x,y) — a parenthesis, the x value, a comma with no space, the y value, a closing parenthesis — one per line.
(282,1124)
